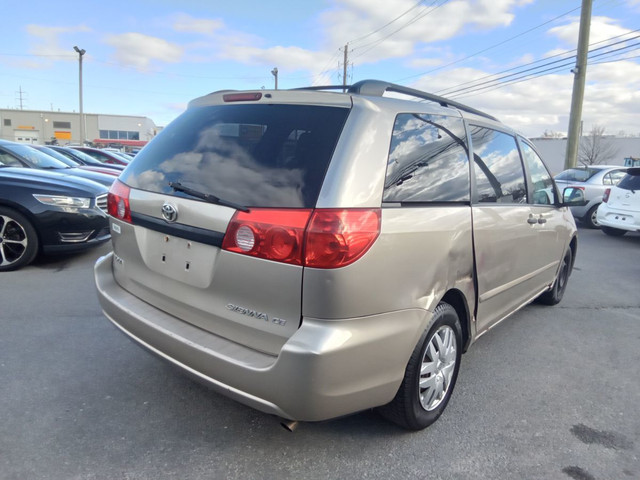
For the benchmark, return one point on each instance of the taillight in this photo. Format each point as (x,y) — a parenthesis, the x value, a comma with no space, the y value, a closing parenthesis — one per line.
(271,234)
(324,238)
(605,197)
(336,238)
(118,201)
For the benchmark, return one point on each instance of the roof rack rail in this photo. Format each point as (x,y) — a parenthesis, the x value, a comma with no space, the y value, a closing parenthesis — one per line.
(377,88)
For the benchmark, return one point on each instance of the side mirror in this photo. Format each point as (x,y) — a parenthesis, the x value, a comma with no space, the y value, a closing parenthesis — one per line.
(573,197)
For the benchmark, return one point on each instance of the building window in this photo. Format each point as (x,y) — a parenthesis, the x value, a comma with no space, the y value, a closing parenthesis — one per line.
(119,135)
(7,122)
(62,125)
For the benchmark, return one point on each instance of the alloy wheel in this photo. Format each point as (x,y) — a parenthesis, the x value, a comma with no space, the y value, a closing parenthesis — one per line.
(13,241)
(438,366)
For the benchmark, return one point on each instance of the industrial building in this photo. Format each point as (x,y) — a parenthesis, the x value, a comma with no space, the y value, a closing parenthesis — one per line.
(45,127)
(554,150)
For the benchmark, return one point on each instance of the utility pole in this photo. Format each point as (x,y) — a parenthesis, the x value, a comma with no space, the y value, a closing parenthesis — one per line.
(20,92)
(579,79)
(274,72)
(81,52)
(344,68)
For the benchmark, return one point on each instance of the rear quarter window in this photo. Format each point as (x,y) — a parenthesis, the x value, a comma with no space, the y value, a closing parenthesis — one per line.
(428,161)
(253,155)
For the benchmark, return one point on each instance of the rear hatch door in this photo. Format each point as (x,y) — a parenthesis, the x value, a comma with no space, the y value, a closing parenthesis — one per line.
(249,156)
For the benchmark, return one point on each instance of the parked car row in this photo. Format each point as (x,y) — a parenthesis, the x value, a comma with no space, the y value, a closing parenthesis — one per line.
(50,202)
(612,202)
(593,180)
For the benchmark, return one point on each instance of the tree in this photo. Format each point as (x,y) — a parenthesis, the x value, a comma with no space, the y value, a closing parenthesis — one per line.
(595,148)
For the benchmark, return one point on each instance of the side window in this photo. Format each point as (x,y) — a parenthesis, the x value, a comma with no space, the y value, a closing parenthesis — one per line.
(542,187)
(497,166)
(608,179)
(8,160)
(615,176)
(428,160)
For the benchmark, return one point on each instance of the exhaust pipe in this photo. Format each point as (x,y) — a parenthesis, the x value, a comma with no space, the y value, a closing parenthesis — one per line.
(289,425)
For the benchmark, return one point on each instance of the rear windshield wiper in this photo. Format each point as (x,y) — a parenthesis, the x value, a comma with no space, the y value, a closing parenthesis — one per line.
(178,187)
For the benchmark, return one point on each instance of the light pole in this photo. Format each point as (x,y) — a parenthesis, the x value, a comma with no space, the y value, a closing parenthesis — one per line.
(81,52)
(274,72)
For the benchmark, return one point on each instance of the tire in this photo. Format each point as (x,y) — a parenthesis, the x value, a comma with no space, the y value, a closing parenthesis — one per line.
(554,296)
(18,240)
(591,218)
(430,375)
(613,232)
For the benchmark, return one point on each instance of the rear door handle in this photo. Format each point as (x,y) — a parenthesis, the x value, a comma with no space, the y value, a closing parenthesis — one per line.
(542,220)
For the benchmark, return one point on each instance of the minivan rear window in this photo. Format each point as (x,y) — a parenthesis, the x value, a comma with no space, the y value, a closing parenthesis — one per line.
(252,155)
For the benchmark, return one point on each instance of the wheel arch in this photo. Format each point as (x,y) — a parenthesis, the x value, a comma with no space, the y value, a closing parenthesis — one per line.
(457,300)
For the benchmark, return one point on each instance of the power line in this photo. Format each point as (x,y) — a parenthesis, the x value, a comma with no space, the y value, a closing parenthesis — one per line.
(567,61)
(541,73)
(452,88)
(420,16)
(491,47)
(386,24)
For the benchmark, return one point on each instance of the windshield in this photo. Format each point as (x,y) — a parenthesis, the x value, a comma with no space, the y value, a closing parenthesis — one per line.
(57,155)
(577,174)
(33,157)
(252,155)
(87,159)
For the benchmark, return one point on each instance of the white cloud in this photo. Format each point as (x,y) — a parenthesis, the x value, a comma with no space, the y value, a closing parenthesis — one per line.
(602,28)
(187,24)
(356,19)
(140,50)
(45,42)
(290,58)
(543,103)
(352,19)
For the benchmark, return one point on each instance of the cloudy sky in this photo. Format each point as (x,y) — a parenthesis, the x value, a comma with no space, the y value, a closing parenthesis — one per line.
(511,58)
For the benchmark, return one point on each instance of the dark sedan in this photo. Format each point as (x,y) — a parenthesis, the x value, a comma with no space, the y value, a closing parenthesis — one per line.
(14,154)
(84,159)
(72,162)
(42,211)
(103,155)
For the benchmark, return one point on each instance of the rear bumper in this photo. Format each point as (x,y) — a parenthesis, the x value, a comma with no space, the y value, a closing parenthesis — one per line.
(325,370)
(622,220)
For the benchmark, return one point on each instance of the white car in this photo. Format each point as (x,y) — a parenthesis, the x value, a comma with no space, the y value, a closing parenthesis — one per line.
(619,211)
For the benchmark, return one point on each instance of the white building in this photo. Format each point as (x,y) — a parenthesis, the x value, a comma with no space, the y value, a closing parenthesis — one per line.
(42,126)
(554,150)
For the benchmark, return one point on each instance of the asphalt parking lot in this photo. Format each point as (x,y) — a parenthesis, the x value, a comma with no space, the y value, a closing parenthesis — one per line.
(551,393)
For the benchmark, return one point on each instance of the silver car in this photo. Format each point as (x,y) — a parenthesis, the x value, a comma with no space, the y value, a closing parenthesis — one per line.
(316,253)
(593,181)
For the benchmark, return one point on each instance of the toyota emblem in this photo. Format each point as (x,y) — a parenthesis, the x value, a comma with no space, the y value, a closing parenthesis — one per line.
(169,212)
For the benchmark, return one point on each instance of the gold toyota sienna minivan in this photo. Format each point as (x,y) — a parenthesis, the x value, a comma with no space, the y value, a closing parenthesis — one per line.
(314,253)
